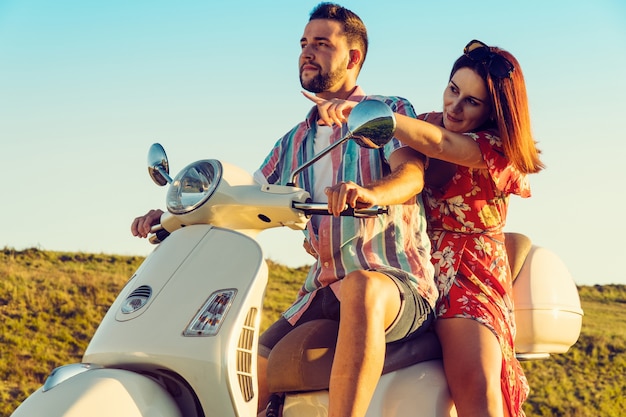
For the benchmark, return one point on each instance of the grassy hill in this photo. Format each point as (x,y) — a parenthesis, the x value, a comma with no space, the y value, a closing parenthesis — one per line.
(51,303)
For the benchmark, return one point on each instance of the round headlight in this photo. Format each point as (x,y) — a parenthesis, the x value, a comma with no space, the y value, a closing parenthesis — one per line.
(193,186)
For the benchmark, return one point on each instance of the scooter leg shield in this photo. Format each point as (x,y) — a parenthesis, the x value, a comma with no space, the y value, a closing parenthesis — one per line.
(101,393)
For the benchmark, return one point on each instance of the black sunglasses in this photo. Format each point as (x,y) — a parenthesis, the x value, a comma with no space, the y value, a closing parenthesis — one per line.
(497,65)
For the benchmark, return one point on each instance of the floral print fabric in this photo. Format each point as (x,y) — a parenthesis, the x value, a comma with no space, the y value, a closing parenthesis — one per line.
(466,218)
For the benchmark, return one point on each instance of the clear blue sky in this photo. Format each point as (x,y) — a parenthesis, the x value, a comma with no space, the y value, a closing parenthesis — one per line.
(87,86)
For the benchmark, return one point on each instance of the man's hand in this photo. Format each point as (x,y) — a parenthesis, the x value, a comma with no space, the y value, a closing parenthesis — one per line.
(309,248)
(141,225)
(348,194)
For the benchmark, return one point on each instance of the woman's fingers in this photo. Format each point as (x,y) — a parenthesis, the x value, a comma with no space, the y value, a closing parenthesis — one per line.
(333,111)
(315,99)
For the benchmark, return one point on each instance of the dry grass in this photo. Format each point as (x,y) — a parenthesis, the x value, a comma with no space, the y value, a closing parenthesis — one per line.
(51,303)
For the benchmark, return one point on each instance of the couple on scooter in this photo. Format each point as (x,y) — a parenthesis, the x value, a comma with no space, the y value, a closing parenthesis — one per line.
(376,273)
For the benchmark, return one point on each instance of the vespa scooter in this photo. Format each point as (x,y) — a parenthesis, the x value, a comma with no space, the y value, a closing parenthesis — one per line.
(181,337)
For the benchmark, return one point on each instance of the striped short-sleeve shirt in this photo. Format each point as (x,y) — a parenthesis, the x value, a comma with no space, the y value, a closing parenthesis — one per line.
(344,244)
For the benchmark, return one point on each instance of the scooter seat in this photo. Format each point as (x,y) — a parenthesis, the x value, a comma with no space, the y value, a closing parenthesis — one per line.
(302,360)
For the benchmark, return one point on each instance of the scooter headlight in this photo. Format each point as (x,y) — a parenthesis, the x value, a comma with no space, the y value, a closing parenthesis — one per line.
(193,186)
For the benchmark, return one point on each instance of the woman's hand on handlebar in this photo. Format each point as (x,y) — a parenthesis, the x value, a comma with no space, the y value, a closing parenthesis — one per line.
(141,225)
(333,111)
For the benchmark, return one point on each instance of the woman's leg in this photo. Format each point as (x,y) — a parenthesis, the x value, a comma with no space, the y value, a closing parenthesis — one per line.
(472,361)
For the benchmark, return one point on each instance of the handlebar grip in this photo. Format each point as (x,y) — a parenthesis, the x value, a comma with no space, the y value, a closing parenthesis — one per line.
(158,236)
(322,209)
(367,212)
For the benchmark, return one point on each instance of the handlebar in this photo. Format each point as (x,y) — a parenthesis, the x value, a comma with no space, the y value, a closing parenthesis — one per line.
(158,233)
(322,209)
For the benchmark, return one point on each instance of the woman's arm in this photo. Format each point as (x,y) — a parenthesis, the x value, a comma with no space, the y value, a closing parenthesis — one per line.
(431,140)
(439,143)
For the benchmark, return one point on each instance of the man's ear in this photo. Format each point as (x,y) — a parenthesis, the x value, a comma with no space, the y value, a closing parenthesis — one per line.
(355,58)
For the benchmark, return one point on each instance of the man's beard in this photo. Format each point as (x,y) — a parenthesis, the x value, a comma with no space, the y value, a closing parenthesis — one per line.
(322,82)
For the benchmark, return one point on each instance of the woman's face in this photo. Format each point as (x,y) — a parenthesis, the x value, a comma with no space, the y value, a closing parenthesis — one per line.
(466,102)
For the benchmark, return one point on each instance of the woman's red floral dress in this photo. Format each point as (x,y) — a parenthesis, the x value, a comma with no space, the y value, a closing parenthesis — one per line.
(466,218)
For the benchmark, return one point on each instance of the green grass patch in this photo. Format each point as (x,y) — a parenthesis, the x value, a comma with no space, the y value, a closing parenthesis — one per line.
(52,302)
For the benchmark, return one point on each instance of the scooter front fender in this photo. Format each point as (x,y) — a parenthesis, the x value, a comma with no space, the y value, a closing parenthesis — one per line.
(99,392)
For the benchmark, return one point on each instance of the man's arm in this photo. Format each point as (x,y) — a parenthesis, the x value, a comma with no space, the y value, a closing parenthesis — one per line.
(405,181)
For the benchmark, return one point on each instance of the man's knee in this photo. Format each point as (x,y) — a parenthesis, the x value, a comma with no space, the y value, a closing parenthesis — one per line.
(367,283)
(370,293)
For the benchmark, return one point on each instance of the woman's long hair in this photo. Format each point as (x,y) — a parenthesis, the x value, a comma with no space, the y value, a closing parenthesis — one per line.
(510,112)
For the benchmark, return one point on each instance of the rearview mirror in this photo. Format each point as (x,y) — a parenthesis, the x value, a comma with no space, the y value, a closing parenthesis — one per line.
(371,124)
(158,167)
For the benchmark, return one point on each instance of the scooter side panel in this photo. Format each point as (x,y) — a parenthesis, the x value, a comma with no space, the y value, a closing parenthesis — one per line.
(101,393)
(189,266)
(420,390)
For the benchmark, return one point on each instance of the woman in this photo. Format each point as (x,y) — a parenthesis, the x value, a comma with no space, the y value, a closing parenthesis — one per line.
(482,147)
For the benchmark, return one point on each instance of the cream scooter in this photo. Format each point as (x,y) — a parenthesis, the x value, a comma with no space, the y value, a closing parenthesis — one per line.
(181,337)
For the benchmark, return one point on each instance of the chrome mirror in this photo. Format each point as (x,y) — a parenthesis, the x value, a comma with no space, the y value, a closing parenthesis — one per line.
(371,124)
(158,167)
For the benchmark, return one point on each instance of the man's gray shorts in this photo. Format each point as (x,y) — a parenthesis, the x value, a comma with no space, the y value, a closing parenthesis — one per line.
(415,315)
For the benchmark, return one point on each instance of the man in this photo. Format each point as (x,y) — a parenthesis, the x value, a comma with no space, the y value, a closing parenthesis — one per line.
(373,275)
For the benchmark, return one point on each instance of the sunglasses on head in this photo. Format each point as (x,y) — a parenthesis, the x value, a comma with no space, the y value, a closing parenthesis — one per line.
(497,65)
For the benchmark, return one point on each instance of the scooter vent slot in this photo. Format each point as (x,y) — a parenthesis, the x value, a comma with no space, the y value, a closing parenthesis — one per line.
(244,355)
(143,291)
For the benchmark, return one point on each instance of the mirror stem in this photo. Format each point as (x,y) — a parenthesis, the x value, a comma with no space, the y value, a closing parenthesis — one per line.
(165,174)
(316,158)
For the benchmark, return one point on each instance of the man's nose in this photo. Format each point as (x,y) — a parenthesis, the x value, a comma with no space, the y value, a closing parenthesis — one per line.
(307,52)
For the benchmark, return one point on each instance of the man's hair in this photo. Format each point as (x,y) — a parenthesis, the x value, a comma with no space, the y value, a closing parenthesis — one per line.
(353,26)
